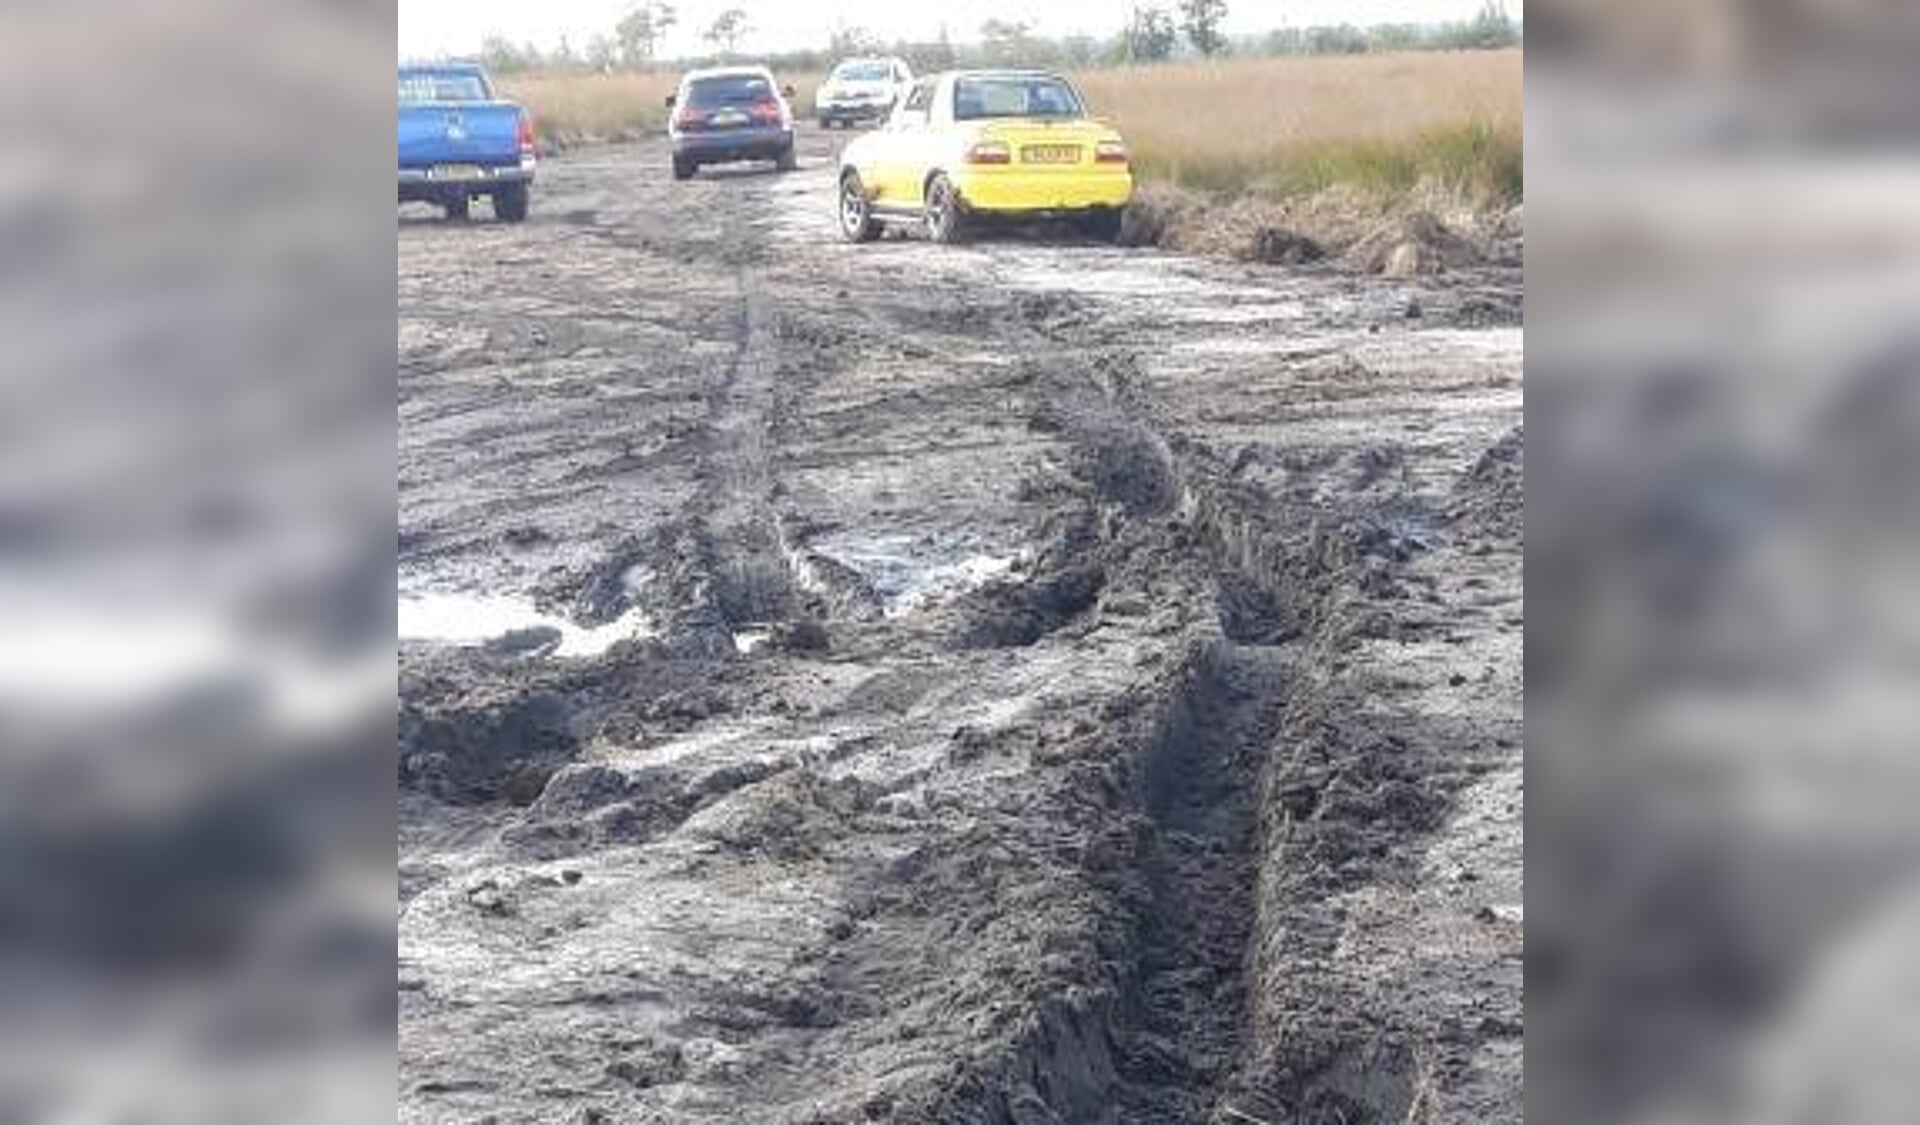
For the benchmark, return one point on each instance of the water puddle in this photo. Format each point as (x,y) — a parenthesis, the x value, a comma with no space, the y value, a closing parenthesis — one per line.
(467,620)
(910,574)
(749,640)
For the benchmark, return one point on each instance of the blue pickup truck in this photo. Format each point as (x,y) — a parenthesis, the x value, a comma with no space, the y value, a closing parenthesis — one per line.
(458,140)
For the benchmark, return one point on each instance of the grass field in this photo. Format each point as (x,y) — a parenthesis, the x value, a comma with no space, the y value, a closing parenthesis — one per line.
(1277,127)
(1295,126)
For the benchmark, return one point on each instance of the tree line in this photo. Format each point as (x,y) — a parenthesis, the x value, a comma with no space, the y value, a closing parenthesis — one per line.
(1152,33)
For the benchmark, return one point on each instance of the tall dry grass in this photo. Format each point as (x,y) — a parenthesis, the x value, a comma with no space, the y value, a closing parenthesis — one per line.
(1283,127)
(1295,126)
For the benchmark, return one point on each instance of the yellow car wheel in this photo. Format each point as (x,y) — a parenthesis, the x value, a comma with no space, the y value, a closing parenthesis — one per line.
(1102,224)
(857,223)
(946,221)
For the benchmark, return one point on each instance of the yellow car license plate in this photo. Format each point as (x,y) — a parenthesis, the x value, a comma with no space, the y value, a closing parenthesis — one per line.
(458,172)
(1050,154)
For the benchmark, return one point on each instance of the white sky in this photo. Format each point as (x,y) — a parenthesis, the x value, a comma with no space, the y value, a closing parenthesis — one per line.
(432,27)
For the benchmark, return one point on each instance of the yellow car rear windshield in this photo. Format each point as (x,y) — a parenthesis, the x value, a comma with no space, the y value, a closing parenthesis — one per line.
(1014,96)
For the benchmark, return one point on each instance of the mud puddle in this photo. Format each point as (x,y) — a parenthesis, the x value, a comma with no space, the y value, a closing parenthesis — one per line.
(465,620)
(908,573)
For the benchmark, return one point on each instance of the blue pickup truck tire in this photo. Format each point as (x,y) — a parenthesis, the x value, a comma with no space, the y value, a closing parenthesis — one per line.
(459,209)
(510,203)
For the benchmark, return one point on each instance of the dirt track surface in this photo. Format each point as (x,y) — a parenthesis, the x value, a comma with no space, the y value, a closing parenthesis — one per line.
(1128,727)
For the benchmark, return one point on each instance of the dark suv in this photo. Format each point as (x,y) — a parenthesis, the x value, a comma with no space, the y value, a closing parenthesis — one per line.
(727,115)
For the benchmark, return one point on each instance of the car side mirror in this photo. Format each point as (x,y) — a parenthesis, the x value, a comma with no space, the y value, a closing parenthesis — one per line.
(786,91)
(672,98)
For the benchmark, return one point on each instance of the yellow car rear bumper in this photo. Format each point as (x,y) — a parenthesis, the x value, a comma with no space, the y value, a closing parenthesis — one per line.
(1013,191)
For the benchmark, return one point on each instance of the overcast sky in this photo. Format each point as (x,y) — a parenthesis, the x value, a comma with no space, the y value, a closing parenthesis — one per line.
(432,27)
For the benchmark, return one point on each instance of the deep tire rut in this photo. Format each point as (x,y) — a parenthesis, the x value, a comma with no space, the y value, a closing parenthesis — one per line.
(1186,1026)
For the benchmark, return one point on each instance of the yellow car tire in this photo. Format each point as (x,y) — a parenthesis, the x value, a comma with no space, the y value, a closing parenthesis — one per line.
(857,223)
(946,219)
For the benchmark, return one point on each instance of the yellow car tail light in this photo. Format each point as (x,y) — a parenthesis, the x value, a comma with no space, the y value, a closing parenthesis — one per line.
(990,152)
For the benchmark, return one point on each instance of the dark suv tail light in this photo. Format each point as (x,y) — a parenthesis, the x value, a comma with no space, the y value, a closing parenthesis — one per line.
(689,120)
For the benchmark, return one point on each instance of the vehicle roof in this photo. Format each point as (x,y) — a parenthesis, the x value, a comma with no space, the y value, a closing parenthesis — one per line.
(851,60)
(1001,72)
(462,65)
(754,71)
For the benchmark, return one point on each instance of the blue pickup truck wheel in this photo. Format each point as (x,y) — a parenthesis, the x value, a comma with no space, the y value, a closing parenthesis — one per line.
(459,209)
(510,203)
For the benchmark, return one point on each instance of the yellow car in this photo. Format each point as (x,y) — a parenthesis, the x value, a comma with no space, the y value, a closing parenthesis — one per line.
(967,146)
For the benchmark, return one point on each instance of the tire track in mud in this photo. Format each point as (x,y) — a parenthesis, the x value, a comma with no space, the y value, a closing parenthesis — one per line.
(728,568)
(727,559)
(1183,1033)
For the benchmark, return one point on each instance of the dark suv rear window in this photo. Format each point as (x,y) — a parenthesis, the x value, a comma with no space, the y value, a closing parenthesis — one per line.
(712,93)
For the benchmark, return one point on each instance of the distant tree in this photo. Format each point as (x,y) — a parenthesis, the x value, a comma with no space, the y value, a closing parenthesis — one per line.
(727,29)
(1490,30)
(564,57)
(1149,36)
(942,56)
(1079,50)
(848,41)
(1007,41)
(503,57)
(1342,40)
(640,31)
(1284,41)
(603,54)
(1200,19)
(1395,37)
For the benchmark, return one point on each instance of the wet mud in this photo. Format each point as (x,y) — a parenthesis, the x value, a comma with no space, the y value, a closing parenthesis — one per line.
(1022,682)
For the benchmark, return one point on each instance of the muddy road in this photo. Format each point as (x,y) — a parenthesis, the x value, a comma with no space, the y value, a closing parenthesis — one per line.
(1027,682)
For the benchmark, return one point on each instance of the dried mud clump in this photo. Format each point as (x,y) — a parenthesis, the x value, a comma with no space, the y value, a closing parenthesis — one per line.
(1491,498)
(1412,245)
(1280,246)
(1348,229)
(483,746)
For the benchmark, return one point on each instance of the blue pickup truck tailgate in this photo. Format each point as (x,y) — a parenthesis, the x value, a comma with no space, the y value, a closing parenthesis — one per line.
(483,133)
